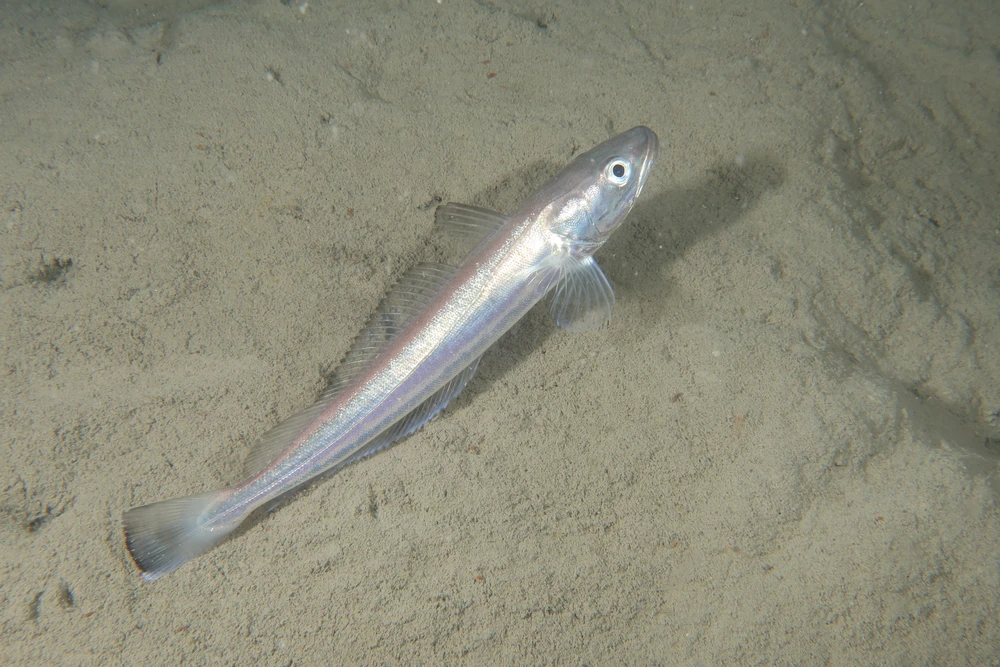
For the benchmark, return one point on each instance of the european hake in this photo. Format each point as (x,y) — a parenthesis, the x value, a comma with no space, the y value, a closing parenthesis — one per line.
(424,342)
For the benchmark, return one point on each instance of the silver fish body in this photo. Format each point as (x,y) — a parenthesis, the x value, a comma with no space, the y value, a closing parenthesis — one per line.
(424,342)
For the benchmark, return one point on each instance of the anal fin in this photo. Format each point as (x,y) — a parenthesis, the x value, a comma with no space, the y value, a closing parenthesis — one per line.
(409,424)
(418,417)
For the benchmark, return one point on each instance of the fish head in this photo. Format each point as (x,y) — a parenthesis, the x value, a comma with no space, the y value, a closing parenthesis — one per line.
(595,192)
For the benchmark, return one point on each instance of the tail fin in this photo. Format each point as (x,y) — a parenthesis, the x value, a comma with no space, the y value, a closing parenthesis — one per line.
(163,536)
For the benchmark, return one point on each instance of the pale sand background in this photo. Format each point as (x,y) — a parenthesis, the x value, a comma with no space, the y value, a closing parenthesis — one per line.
(774,453)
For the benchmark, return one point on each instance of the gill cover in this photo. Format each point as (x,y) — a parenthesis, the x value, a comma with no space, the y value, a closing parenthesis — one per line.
(599,188)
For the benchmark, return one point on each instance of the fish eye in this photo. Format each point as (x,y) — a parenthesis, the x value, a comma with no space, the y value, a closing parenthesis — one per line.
(618,172)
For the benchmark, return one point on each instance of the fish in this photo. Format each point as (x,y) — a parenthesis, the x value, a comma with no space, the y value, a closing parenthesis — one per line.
(423,343)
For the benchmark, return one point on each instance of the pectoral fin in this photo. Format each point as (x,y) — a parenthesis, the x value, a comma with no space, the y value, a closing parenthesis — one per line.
(582,298)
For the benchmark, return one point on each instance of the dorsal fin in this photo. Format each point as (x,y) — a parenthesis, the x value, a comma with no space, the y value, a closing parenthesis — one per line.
(463,226)
(415,289)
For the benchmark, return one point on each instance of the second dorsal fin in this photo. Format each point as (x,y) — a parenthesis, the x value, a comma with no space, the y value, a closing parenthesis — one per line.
(415,289)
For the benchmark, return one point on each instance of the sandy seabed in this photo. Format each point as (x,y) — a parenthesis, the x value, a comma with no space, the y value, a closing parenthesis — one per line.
(782,450)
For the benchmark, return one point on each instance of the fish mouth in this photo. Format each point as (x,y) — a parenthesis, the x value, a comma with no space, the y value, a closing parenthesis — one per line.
(652,144)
